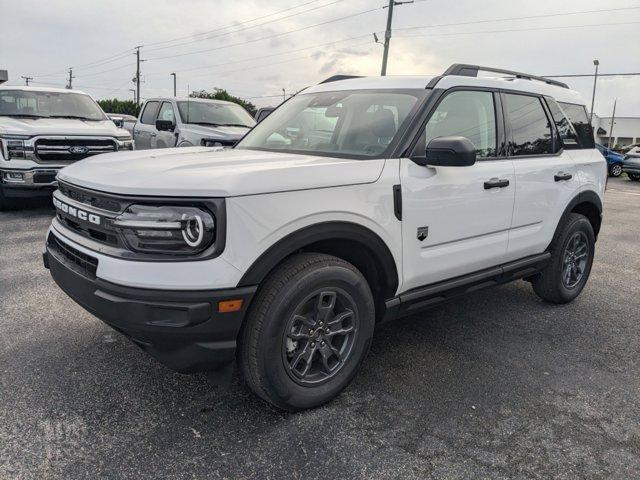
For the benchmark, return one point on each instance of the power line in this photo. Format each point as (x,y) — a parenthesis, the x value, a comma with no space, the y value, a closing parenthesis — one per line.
(267,37)
(230,25)
(246,28)
(528,17)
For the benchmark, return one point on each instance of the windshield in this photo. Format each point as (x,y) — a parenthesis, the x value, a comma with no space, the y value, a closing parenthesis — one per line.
(215,114)
(29,103)
(356,123)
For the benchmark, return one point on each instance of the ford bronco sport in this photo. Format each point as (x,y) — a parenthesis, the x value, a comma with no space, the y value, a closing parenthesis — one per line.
(357,201)
(44,129)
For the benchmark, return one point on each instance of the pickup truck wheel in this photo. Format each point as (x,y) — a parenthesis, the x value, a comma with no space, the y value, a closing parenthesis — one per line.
(615,170)
(571,258)
(308,330)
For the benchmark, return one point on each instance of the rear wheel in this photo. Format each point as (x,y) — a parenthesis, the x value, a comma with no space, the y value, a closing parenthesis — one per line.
(615,170)
(307,332)
(571,258)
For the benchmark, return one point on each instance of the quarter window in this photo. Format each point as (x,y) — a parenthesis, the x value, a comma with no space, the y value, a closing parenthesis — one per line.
(166,112)
(577,114)
(149,114)
(531,132)
(469,114)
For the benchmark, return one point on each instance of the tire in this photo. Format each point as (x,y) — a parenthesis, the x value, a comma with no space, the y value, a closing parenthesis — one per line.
(6,203)
(615,170)
(276,339)
(552,283)
(634,177)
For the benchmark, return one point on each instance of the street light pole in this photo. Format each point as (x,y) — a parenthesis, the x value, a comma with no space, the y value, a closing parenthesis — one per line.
(593,95)
(134,94)
(174,84)
(613,119)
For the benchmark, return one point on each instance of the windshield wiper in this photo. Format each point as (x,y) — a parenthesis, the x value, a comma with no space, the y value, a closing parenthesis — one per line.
(208,124)
(233,125)
(76,117)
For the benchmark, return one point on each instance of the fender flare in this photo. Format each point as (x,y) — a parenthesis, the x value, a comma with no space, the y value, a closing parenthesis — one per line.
(306,236)
(587,196)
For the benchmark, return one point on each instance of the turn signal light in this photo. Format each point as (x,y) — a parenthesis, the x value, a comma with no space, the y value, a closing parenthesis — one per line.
(227,306)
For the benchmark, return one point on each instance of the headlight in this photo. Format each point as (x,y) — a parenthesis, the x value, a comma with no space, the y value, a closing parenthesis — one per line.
(125,143)
(166,229)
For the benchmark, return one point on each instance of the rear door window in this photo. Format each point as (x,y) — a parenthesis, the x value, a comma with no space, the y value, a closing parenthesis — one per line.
(577,114)
(531,131)
(149,115)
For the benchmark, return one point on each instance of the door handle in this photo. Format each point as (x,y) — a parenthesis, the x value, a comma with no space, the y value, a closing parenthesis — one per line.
(496,183)
(558,177)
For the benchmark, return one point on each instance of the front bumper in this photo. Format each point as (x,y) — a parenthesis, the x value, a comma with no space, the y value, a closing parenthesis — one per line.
(31,183)
(181,329)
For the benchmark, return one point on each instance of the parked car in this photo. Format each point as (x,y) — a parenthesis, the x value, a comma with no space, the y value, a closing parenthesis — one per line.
(123,120)
(171,122)
(45,129)
(614,160)
(263,113)
(286,252)
(631,167)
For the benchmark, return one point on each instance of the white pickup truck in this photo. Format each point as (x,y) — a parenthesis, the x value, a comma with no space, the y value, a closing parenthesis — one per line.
(45,129)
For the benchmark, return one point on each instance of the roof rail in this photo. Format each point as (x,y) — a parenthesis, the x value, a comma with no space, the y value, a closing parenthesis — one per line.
(335,78)
(472,71)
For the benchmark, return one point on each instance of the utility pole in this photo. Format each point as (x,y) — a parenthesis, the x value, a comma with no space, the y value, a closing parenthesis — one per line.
(593,95)
(387,34)
(174,84)
(613,119)
(27,80)
(137,79)
(71,77)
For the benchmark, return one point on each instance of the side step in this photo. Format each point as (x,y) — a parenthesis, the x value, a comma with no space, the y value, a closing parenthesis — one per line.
(421,298)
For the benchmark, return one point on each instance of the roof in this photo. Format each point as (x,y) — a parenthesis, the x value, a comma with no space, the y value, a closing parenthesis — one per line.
(188,99)
(41,89)
(448,81)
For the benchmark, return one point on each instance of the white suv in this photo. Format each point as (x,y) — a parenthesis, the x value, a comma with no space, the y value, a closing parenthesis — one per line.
(357,201)
(44,129)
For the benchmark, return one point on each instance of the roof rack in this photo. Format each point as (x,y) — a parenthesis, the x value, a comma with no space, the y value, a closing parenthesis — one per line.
(335,78)
(472,71)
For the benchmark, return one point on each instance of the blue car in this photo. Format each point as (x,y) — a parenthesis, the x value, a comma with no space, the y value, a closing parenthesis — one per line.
(614,160)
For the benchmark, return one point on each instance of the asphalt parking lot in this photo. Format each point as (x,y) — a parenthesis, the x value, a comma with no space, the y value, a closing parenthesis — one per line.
(497,385)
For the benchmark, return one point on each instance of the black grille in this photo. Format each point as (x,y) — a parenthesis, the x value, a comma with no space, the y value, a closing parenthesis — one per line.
(81,263)
(44,177)
(62,150)
(87,198)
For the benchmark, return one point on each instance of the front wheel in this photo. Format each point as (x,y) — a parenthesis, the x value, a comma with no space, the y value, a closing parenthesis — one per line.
(307,331)
(634,177)
(615,170)
(572,251)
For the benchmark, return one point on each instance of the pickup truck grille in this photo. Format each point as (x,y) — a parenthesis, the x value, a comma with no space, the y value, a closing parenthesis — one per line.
(71,150)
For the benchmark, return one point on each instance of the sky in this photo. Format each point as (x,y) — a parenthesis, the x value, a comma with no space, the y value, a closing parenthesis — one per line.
(255,49)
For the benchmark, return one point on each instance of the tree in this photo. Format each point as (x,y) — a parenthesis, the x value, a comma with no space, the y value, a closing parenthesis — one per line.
(126,107)
(221,94)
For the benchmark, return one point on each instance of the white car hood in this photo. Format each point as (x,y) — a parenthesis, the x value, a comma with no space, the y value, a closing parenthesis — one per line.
(214,172)
(58,126)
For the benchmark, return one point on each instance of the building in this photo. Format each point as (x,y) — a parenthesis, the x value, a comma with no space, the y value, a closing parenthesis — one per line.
(626,130)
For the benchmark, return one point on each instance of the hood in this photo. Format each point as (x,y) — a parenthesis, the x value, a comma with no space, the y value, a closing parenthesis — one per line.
(214,172)
(232,133)
(58,126)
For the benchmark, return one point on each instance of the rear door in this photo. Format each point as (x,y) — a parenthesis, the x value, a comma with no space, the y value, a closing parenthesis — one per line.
(546,176)
(145,129)
(453,221)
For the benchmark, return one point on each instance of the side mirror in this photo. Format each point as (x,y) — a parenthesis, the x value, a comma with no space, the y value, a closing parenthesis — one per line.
(450,152)
(165,125)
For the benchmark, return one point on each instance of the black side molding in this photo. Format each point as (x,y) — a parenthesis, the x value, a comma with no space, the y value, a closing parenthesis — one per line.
(397,201)
(421,298)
